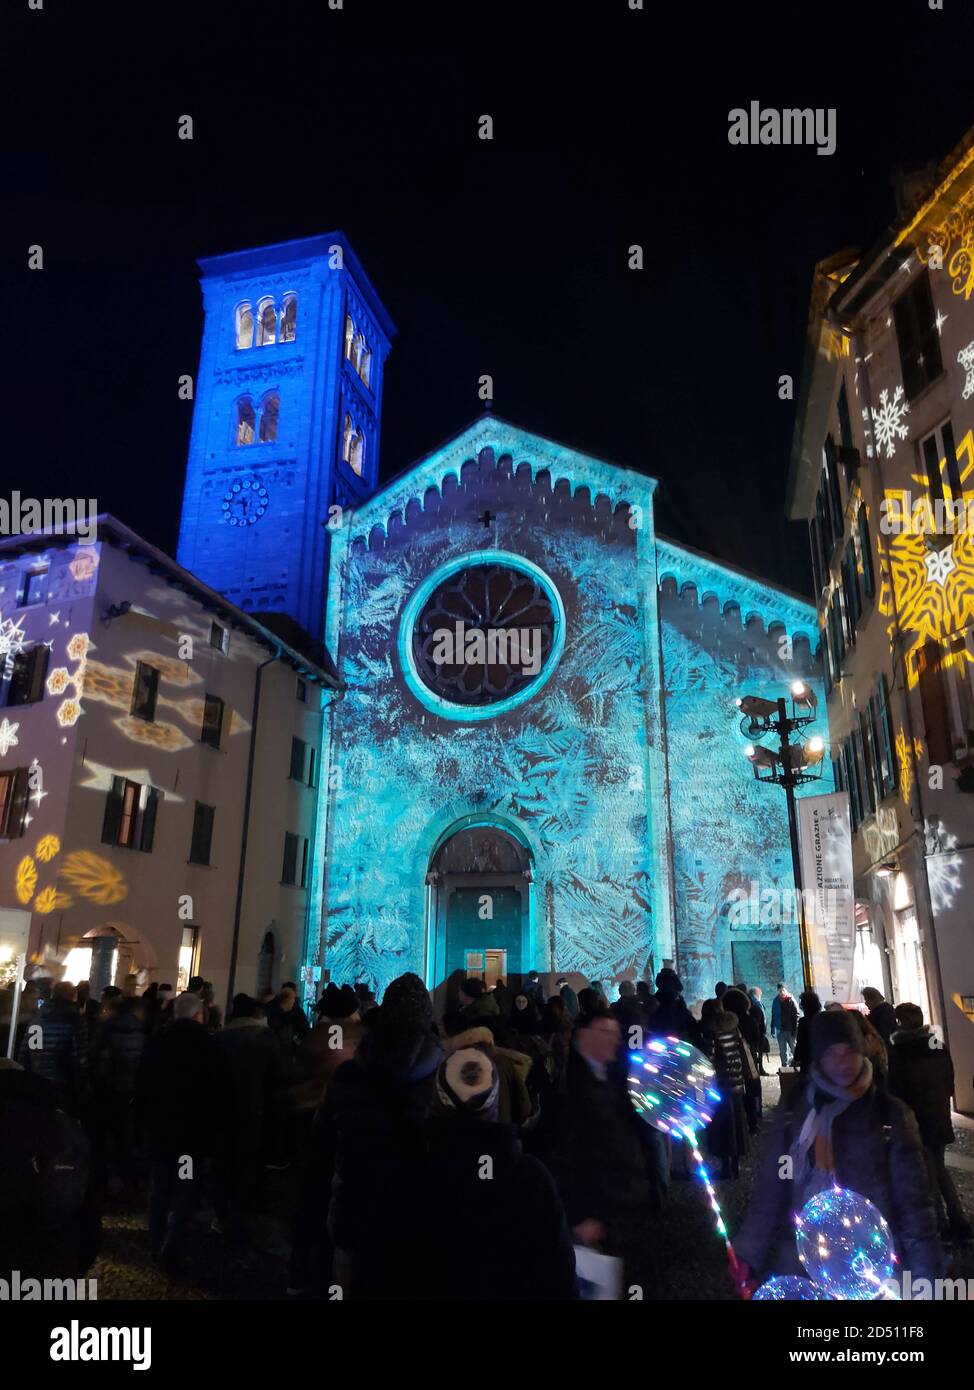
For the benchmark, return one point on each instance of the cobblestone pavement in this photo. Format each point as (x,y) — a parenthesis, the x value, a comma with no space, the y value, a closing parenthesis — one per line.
(690,1254)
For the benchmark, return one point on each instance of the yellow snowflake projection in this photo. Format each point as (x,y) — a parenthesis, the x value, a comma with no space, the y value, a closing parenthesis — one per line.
(94,877)
(906,763)
(47,847)
(26,879)
(157,734)
(171,670)
(110,684)
(78,646)
(68,713)
(58,681)
(928,572)
(83,565)
(46,901)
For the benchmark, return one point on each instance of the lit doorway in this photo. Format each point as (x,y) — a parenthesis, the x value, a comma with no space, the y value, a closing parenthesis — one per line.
(489,965)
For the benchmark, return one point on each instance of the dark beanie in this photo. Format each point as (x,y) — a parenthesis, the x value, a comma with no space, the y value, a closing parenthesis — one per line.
(330,1002)
(407,1004)
(832,1026)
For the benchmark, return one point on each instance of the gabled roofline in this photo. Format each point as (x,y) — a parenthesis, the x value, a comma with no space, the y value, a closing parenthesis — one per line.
(750,592)
(580,470)
(116,533)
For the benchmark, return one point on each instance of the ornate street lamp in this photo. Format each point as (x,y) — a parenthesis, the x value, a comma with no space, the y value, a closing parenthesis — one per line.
(794,760)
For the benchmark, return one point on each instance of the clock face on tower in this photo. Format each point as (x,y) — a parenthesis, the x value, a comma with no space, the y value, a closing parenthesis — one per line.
(245,503)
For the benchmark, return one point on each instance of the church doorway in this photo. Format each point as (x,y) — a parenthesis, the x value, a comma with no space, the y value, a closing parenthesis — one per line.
(480,883)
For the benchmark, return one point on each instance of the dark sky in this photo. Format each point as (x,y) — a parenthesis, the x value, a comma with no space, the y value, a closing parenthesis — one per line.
(506,258)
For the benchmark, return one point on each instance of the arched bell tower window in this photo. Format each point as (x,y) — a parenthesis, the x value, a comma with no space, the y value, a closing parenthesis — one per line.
(289,318)
(353,445)
(266,323)
(244,326)
(246,425)
(270,409)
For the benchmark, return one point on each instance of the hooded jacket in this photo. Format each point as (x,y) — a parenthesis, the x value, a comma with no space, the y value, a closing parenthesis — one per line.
(921,1073)
(877,1154)
(784,1015)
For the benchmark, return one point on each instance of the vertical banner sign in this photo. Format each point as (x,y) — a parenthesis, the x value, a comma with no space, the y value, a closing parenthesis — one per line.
(825,843)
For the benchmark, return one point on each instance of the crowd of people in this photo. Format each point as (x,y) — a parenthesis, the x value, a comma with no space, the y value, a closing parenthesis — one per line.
(408,1139)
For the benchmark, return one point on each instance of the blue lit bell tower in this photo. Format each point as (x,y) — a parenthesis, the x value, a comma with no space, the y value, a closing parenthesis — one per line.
(286,423)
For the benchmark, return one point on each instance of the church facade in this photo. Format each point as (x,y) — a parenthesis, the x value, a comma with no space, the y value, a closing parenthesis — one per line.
(536,762)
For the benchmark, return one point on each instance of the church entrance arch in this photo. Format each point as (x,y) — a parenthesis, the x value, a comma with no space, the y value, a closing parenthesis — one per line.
(481,882)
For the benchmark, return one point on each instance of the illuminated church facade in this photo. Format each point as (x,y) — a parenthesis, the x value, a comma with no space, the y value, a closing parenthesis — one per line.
(578,803)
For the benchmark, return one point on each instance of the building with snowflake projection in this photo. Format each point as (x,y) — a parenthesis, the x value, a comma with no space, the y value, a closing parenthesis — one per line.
(883,471)
(535,761)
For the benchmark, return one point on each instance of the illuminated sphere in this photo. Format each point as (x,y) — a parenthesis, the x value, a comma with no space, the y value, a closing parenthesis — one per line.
(672,1086)
(787,1288)
(845,1244)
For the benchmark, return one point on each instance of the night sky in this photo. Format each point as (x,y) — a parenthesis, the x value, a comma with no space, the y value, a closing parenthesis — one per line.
(506,258)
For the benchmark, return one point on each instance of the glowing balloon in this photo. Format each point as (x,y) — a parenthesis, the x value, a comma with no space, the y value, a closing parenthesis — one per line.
(787,1288)
(845,1245)
(672,1086)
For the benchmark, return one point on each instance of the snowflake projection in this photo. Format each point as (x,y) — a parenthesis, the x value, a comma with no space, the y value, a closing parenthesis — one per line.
(47,847)
(888,420)
(25,880)
(940,565)
(58,681)
(68,713)
(8,737)
(943,869)
(46,901)
(78,646)
(94,877)
(13,639)
(966,358)
(931,594)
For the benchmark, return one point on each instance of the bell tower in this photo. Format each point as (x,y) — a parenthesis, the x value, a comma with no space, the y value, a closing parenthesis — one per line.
(286,421)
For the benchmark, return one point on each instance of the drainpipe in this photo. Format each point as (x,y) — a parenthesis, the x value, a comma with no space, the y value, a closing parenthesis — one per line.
(323,789)
(918,815)
(245,833)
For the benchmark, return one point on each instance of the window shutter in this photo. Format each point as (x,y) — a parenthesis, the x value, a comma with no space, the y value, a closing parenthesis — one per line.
(868,578)
(886,728)
(113,811)
(38,673)
(297,759)
(149,821)
(933,699)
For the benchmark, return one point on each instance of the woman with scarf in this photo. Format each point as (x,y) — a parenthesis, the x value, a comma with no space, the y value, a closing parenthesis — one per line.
(841,1128)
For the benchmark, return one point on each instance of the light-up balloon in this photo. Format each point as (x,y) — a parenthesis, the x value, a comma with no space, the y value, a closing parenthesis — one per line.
(845,1245)
(672,1086)
(787,1288)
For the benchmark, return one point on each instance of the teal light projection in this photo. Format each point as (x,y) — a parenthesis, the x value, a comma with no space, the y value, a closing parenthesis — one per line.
(619,769)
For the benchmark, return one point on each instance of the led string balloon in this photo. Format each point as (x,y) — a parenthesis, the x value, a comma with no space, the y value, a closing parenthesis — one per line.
(671,1086)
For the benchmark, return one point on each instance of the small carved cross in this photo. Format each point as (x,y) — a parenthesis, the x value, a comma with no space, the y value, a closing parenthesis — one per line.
(487,519)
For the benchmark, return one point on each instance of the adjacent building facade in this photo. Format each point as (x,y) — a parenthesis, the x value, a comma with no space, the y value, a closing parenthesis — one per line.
(159,761)
(883,472)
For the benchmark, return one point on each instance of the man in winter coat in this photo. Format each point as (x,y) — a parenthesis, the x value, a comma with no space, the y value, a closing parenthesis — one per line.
(256,1104)
(116,1055)
(921,1073)
(369,1132)
(568,997)
(182,1100)
(671,1018)
(881,1013)
(761,1017)
(839,1128)
(289,1024)
(784,1023)
(599,1160)
(475,1000)
(517,1204)
(54,1046)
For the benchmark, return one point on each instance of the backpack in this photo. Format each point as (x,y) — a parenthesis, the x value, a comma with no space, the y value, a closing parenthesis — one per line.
(44,1166)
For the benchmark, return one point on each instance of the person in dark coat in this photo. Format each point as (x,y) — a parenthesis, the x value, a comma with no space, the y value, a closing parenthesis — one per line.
(671,1018)
(737,1002)
(49,1222)
(921,1074)
(369,1133)
(182,1104)
(569,998)
(838,1128)
(534,990)
(54,1046)
(758,1010)
(882,1015)
(518,1204)
(727,1131)
(599,1159)
(810,1006)
(256,1103)
(115,1059)
(289,1024)
(784,1023)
